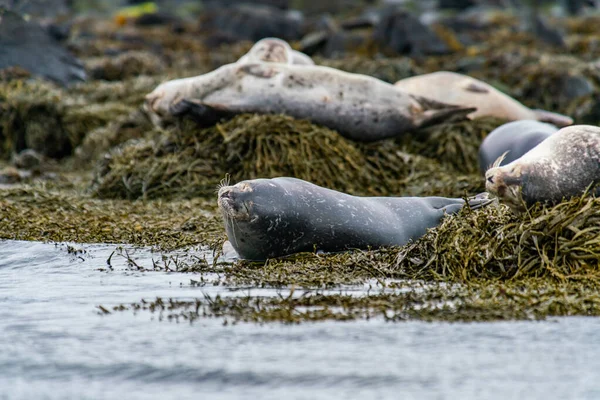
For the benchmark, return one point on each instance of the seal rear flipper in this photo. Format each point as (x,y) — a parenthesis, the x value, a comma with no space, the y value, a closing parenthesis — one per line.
(435,112)
(448,114)
(204,115)
(556,119)
(479,201)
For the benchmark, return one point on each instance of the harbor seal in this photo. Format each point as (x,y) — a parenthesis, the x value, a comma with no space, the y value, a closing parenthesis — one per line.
(275,50)
(266,218)
(452,88)
(359,107)
(562,166)
(512,139)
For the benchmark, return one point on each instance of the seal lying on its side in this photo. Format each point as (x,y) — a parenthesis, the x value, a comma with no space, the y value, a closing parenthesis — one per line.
(562,166)
(513,139)
(267,218)
(274,50)
(359,107)
(453,88)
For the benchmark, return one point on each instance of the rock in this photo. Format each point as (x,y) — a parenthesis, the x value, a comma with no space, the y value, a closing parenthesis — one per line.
(245,22)
(27,45)
(29,160)
(10,176)
(402,33)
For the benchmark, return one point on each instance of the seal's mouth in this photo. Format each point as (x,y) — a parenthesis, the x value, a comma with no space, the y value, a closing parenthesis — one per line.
(231,204)
(506,184)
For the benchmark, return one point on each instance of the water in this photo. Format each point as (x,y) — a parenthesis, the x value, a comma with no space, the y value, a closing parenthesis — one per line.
(55,345)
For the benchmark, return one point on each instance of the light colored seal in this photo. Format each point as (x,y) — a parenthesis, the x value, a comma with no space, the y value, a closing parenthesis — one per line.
(512,139)
(359,107)
(562,166)
(266,218)
(453,88)
(274,50)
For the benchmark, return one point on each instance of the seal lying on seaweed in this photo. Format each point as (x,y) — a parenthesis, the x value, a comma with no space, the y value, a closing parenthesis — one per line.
(564,165)
(453,88)
(266,218)
(359,107)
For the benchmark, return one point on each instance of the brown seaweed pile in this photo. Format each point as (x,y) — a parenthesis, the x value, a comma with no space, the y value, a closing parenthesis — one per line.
(187,161)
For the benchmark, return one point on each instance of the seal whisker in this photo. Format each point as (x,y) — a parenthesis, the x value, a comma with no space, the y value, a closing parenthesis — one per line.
(499,160)
(223,182)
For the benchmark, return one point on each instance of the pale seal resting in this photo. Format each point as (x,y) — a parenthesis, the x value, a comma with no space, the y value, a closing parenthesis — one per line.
(266,218)
(562,166)
(274,50)
(359,107)
(453,88)
(512,139)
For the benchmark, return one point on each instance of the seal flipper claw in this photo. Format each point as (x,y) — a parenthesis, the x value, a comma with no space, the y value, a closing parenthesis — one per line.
(204,115)
(553,118)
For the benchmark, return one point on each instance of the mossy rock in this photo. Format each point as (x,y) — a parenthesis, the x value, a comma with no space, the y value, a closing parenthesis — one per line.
(126,65)
(387,69)
(188,161)
(560,243)
(31,116)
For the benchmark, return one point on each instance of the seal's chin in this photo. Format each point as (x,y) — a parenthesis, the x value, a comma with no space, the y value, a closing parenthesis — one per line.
(506,185)
(231,205)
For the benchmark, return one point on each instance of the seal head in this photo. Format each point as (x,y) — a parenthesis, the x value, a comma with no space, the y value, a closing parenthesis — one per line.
(269,50)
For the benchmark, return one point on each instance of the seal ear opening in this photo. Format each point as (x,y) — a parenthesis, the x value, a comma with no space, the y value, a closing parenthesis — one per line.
(204,115)
(556,119)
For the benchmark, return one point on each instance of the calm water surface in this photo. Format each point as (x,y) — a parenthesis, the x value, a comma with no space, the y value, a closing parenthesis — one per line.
(55,345)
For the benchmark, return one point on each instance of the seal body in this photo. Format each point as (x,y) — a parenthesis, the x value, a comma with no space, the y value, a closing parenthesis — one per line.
(274,50)
(453,88)
(357,106)
(512,139)
(562,166)
(267,218)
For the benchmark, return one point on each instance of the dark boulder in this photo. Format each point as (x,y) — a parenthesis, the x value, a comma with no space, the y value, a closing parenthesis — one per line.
(27,45)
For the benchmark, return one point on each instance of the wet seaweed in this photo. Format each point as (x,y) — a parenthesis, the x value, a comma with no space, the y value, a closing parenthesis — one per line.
(477,302)
(188,161)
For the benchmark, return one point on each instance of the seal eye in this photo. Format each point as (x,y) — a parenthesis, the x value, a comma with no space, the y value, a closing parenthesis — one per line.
(490,179)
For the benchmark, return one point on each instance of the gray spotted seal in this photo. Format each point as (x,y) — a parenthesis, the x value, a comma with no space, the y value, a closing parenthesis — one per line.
(562,166)
(512,139)
(453,88)
(266,218)
(359,107)
(275,50)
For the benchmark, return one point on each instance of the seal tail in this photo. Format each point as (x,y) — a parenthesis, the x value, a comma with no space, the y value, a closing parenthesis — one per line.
(434,112)
(557,119)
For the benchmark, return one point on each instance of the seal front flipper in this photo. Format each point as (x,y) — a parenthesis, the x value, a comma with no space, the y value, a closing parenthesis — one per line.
(259,70)
(204,115)
(553,118)
(434,112)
